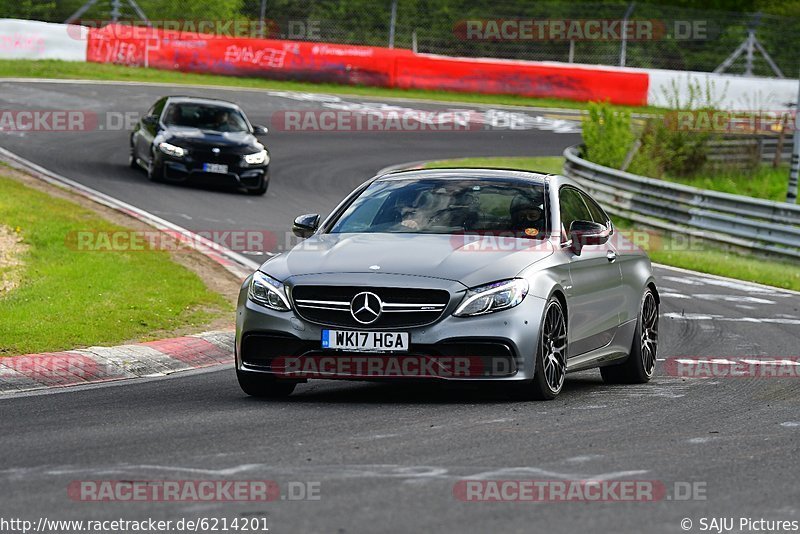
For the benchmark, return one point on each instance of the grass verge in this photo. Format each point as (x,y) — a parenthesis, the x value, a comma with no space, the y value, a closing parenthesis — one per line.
(18,68)
(763,182)
(69,298)
(703,256)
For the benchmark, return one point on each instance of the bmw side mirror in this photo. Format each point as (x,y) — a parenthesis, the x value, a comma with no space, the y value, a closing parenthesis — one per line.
(150,120)
(305,225)
(260,130)
(584,233)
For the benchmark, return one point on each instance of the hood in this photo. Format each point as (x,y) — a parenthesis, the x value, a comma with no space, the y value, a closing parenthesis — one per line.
(471,260)
(195,138)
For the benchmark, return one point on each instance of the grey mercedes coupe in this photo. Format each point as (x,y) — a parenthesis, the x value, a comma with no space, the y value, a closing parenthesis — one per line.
(470,275)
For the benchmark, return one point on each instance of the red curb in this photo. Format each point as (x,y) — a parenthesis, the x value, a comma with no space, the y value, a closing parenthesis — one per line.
(56,368)
(194,351)
(79,367)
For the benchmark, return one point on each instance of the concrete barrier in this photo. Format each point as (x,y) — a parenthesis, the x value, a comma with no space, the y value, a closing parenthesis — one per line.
(30,39)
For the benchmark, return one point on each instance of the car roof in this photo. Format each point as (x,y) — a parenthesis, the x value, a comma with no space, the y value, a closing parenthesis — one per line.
(469,173)
(180,99)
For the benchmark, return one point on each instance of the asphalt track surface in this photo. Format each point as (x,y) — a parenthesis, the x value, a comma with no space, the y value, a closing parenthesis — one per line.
(387,456)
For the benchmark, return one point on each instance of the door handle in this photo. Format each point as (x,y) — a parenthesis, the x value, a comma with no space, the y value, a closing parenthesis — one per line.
(611,256)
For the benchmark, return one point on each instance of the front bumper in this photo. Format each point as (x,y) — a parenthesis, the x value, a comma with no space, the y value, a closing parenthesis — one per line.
(496,347)
(190,170)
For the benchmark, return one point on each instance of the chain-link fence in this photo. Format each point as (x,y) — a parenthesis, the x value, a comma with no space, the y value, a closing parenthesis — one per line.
(657,36)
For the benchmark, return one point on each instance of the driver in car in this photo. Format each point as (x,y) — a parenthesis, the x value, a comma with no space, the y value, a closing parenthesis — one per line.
(526,217)
(418,214)
(223,121)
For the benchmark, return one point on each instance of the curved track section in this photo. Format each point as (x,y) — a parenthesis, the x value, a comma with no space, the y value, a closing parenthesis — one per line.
(387,457)
(311,171)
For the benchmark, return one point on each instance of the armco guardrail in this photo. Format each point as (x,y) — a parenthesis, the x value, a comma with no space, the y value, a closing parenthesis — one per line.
(736,220)
(748,150)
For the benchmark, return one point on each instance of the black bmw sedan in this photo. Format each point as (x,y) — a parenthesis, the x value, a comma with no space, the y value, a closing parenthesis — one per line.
(200,140)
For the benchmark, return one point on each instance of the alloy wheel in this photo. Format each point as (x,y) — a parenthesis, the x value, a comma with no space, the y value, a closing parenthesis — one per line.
(649,340)
(554,347)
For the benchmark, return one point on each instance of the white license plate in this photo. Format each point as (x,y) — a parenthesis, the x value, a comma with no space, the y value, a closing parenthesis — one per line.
(365,341)
(215,168)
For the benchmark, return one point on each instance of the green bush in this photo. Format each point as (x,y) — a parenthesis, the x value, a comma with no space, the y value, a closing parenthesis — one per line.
(26,9)
(666,150)
(607,135)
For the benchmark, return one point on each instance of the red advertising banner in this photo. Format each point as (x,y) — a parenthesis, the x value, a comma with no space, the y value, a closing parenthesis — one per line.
(358,65)
(269,58)
(522,78)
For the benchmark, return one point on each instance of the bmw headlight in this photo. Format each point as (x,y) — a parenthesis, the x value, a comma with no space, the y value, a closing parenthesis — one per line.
(259,158)
(268,292)
(172,150)
(493,297)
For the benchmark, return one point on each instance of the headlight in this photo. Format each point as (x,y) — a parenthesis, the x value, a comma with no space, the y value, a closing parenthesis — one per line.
(172,150)
(259,158)
(493,297)
(268,292)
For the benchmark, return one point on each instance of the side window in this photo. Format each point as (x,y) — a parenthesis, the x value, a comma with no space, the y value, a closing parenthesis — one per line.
(598,215)
(572,208)
(157,108)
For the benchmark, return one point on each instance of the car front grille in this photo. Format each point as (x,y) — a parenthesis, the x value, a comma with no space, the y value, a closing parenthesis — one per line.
(401,307)
(224,158)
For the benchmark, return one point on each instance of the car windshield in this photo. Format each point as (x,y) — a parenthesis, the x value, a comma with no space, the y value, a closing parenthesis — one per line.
(447,206)
(206,117)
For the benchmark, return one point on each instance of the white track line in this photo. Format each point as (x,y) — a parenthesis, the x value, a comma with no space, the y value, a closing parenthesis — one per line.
(565,111)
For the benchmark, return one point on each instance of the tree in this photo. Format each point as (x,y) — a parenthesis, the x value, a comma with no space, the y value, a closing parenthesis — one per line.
(26,9)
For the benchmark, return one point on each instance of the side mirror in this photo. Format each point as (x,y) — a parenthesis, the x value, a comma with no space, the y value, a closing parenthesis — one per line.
(584,233)
(305,225)
(150,120)
(260,130)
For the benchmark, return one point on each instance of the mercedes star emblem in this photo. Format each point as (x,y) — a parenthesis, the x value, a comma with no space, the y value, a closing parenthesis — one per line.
(366,307)
(215,150)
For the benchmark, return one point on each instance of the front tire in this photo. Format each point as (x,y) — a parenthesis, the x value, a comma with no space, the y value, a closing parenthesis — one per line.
(264,385)
(155,172)
(551,356)
(640,365)
(261,189)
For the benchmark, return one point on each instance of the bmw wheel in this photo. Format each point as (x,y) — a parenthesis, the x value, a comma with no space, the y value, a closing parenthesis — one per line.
(261,189)
(155,172)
